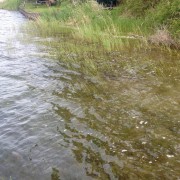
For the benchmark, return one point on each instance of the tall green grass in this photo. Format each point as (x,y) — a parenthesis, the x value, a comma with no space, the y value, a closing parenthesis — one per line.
(91,23)
(113,29)
(130,18)
(10,4)
(156,13)
(87,35)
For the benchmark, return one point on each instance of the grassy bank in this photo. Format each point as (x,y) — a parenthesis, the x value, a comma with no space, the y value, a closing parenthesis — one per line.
(90,23)
(130,17)
(156,13)
(98,39)
(10,4)
(102,41)
(133,19)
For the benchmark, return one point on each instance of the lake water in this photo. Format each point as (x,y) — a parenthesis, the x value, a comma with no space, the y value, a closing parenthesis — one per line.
(56,123)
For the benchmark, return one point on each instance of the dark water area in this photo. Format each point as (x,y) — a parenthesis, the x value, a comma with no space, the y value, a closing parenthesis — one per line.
(56,123)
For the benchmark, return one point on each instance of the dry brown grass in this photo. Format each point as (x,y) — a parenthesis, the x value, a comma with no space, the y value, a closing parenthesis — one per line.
(163,37)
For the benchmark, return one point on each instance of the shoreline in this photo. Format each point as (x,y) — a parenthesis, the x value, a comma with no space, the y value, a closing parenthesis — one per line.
(159,38)
(29,15)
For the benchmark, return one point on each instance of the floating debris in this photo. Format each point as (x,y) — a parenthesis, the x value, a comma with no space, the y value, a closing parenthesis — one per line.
(124,150)
(170,155)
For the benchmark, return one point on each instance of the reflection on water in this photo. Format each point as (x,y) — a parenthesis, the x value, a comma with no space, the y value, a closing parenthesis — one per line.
(55,123)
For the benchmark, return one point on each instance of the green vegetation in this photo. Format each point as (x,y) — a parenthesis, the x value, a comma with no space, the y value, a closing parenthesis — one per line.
(136,103)
(140,17)
(92,23)
(95,38)
(10,4)
(55,174)
(88,22)
(156,13)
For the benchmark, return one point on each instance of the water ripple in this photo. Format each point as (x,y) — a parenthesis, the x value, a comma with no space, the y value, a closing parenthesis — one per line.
(55,119)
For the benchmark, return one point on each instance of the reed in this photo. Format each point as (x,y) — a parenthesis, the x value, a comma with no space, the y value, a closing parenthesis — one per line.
(89,22)
(94,39)
(10,4)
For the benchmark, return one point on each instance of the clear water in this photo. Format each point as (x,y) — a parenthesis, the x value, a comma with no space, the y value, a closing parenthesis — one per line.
(56,123)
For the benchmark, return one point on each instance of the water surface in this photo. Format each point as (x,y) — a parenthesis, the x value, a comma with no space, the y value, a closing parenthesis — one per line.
(59,122)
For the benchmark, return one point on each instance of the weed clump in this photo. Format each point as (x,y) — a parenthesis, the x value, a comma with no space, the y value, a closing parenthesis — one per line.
(163,37)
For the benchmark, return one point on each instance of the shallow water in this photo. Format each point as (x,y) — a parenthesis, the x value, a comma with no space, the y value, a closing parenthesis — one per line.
(58,122)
